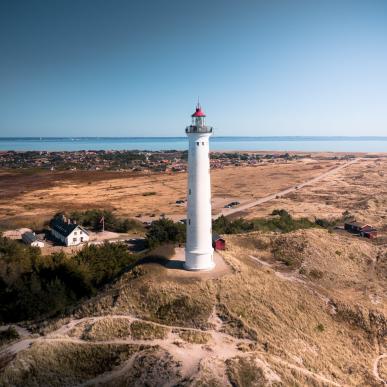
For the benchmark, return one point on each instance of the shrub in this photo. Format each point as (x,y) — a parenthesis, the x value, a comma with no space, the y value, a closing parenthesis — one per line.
(320,327)
(283,223)
(141,330)
(223,225)
(280,213)
(92,219)
(288,251)
(8,335)
(165,231)
(104,262)
(324,223)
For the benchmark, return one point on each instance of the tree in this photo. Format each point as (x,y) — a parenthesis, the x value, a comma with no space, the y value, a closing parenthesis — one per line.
(165,231)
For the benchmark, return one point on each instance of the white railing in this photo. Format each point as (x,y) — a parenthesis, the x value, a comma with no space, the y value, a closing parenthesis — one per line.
(198,129)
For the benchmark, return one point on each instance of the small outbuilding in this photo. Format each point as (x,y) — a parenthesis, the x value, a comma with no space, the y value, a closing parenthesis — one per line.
(363,229)
(355,226)
(218,243)
(31,239)
(369,232)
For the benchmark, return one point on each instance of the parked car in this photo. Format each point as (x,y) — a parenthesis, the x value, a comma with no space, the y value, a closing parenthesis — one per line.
(231,205)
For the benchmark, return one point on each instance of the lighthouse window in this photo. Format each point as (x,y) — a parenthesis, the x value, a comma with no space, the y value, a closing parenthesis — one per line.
(189,191)
(197,143)
(202,143)
(189,221)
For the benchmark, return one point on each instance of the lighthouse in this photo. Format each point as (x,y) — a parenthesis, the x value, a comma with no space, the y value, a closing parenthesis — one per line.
(198,250)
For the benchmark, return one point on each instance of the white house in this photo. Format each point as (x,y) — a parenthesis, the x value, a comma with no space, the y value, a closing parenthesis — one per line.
(31,239)
(68,232)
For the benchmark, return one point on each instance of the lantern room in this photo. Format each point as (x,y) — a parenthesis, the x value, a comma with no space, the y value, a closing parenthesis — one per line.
(198,116)
(198,122)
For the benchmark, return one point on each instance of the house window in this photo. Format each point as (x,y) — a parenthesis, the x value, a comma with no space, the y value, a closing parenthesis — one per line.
(197,143)
(80,232)
(75,233)
(74,239)
(81,239)
(202,143)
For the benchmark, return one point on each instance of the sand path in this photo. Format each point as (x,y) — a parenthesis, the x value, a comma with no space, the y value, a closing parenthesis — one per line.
(22,332)
(221,346)
(376,368)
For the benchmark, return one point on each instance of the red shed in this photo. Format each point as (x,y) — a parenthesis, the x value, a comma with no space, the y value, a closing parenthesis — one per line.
(218,243)
(363,229)
(369,232)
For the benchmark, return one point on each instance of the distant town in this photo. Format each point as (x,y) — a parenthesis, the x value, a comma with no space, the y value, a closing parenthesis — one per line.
(137,161)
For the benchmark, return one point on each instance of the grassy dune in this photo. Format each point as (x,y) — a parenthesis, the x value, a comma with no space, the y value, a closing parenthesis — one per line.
(319,321)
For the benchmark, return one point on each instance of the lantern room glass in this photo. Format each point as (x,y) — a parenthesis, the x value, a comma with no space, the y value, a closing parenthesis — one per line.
(198,121)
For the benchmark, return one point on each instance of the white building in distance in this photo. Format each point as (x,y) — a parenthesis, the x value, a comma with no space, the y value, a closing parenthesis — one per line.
(67,232)
(198,250)
(31,239)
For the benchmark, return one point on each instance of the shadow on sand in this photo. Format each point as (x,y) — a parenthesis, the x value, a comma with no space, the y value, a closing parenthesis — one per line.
(172,264)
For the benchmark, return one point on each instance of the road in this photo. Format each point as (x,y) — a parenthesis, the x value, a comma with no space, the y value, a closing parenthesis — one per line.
(246,206)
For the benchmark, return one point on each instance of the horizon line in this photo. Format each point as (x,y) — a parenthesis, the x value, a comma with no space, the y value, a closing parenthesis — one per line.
(150,137)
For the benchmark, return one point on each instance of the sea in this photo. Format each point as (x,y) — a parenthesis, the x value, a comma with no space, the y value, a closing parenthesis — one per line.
(281,143)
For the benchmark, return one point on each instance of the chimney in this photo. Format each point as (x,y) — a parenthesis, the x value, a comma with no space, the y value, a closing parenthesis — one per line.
(74,221)
(68,221)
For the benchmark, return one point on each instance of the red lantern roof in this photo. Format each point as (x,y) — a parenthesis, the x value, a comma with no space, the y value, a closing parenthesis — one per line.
(198,112)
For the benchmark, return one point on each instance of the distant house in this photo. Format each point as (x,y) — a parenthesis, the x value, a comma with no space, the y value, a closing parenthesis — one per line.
(68,232)
(363,229)
(218,243)
(31,239)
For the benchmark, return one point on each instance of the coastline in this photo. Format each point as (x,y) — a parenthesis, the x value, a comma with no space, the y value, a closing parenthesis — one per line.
(364,144)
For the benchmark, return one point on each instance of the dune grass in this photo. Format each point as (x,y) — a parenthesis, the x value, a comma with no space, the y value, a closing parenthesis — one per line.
(194,337)
(63,363)
(141,330)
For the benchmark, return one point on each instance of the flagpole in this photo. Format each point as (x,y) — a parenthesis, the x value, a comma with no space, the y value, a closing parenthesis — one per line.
(103,223)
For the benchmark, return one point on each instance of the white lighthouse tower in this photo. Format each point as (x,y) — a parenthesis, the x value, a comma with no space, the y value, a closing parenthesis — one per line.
(199,251)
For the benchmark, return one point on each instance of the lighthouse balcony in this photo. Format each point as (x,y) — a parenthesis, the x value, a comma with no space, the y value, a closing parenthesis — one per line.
(198,129)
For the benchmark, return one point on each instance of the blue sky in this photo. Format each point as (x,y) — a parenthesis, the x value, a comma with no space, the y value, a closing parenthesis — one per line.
(135,68)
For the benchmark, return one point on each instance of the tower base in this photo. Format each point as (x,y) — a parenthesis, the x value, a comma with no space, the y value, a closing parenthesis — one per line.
(195,260)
